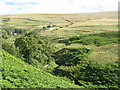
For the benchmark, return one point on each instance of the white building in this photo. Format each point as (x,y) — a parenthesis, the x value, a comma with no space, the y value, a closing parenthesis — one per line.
(51,28)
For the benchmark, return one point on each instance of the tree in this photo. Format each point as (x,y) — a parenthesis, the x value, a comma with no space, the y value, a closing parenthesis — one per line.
(35,49)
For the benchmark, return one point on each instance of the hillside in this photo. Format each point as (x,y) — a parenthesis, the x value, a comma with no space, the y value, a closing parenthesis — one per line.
(17,74)
(60,50)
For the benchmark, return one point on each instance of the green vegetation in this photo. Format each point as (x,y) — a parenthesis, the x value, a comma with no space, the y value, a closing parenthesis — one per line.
(60,51)
(105,54)
(69,57)
(90,74)
(11,49)
(75,65)
(95,39)
(11,30)
(4,34)
(36,50)
(18,74)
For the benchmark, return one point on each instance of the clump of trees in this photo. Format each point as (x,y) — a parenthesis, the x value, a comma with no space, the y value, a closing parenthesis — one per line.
(36,50)
(33,49)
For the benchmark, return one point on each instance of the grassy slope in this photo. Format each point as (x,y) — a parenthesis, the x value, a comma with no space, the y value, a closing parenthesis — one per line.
(16,73)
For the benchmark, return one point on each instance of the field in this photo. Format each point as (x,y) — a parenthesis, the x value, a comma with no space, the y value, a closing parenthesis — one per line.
(97,32)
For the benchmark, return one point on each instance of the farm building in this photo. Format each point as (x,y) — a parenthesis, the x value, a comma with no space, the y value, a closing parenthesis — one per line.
(51,28)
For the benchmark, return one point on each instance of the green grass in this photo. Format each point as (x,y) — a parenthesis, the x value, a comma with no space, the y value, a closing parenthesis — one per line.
(96,28)
(105,54)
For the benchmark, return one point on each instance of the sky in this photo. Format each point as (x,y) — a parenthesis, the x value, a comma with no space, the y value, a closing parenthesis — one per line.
(56,6)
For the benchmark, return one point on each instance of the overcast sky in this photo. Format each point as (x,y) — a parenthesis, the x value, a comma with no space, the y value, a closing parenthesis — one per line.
(56,6)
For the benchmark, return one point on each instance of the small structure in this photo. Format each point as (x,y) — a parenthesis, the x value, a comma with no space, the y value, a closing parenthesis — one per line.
(14,34)
(46,27)
(51,28)
(40,26)
(51,25)
(6,20)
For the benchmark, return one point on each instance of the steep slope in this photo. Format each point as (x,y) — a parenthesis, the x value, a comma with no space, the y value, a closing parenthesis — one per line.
(17,74)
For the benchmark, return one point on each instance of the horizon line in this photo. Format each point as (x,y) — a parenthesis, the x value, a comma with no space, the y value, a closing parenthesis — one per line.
(59,13)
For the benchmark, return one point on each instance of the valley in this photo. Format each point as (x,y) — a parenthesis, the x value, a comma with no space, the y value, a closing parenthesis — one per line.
(60,50)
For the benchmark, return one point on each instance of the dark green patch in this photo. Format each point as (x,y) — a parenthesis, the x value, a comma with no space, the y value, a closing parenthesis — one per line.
(95,39)
(69,56)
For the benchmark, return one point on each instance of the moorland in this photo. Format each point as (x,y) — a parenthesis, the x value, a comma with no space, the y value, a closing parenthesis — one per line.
(60,50)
